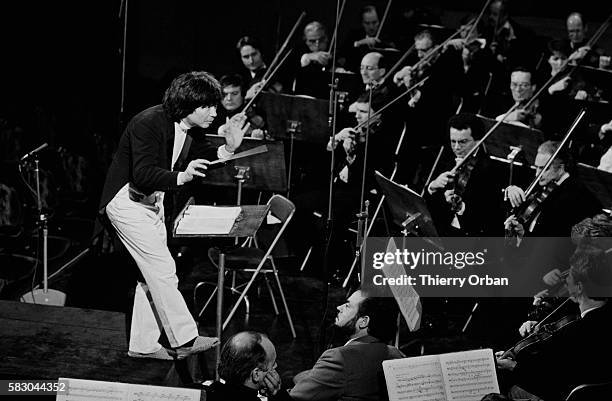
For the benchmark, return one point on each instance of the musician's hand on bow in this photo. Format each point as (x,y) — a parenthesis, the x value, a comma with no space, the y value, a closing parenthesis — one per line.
(319,57)
(515,195)
(442,181)
(527,327)
(370,42)
(504,363)
(580,53)
(234,130)
(538,298)
(456,44)
(553,277)
(253,90)
(403,76)
(560,85)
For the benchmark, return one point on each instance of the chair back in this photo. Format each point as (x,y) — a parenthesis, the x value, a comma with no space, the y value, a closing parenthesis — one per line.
(590,392)
(281,207)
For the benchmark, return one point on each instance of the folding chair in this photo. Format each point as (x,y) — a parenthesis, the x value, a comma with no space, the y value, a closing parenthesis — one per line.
(255,261)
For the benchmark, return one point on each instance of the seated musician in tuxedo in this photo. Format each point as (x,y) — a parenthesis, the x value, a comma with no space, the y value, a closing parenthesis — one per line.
(362,40)
(522,87)
(233,102)
(577,38)
(249,49)
(469,201)
(313,59)
(576,353)
(348,146)
(568,202)
(354,370)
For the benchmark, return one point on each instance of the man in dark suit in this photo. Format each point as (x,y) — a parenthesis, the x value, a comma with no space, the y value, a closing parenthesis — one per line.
(577,353)
(354,371)
(248,367)
(149,161)
(466,202)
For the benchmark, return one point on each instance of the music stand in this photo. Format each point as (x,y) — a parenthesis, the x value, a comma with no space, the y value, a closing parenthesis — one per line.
(246,225)
(597,181)
(266,170)
(499,144)
(408,208)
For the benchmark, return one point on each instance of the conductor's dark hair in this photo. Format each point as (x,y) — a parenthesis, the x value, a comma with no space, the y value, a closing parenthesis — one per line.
(189,91)
(248,41)
(382,312)
(238,359)
(464,121)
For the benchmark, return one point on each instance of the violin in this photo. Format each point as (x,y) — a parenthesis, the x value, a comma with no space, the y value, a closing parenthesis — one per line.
(460,182)
(529,209)
(541,333)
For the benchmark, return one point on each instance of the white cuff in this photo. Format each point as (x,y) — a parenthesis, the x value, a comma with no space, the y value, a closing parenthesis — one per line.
(461,209)
(181,178)
(223,153)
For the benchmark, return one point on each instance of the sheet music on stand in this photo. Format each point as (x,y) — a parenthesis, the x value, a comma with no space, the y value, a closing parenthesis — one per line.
(86,390)
(200,219)
(465,376)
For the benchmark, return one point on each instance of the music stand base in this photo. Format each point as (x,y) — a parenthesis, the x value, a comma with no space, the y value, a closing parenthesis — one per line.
(51,297)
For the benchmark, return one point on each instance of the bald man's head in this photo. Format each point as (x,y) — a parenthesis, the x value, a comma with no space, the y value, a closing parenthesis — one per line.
(372,67)
(246,358)
(576,28)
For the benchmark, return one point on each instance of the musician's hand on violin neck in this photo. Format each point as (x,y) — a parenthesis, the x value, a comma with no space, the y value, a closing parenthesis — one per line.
(527,327)
(253,90)
(515,195)
(514,228)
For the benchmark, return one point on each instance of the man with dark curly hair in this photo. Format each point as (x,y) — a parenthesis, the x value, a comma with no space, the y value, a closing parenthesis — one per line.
(150,160)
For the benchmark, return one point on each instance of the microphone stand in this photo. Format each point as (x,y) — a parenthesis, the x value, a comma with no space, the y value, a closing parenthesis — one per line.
(332,120)
(46,296)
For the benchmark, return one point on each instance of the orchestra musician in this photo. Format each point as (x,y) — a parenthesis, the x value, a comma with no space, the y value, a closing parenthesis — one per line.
(522,87)
(468,201)
(233,102)
(249,49)
(571,351)
(567,204)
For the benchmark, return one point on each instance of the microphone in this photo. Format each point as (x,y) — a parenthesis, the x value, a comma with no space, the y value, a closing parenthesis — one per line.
(33,152)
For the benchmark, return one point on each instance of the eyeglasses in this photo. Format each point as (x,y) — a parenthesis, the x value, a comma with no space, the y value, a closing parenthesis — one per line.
(520,85)
(368,67)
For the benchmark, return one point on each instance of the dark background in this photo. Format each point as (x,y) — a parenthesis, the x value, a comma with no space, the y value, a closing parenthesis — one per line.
(61,59)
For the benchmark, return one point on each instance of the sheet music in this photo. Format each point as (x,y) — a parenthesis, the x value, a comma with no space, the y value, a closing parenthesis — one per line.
(406,296)
(92,390)
(415,379)
(199,219)
(469,375)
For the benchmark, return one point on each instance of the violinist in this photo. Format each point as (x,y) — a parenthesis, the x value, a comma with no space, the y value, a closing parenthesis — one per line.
(249,49)
(313,58)
(233,101)
(522,87)
(566,353)
(468,201)
(429,107)
(577,29)
(567,203)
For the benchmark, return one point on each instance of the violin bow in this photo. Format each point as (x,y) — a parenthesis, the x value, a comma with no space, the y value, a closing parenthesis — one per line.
(332,43)
(384,18)
(477,21)
(284,45)
(533,184)
(250,103)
